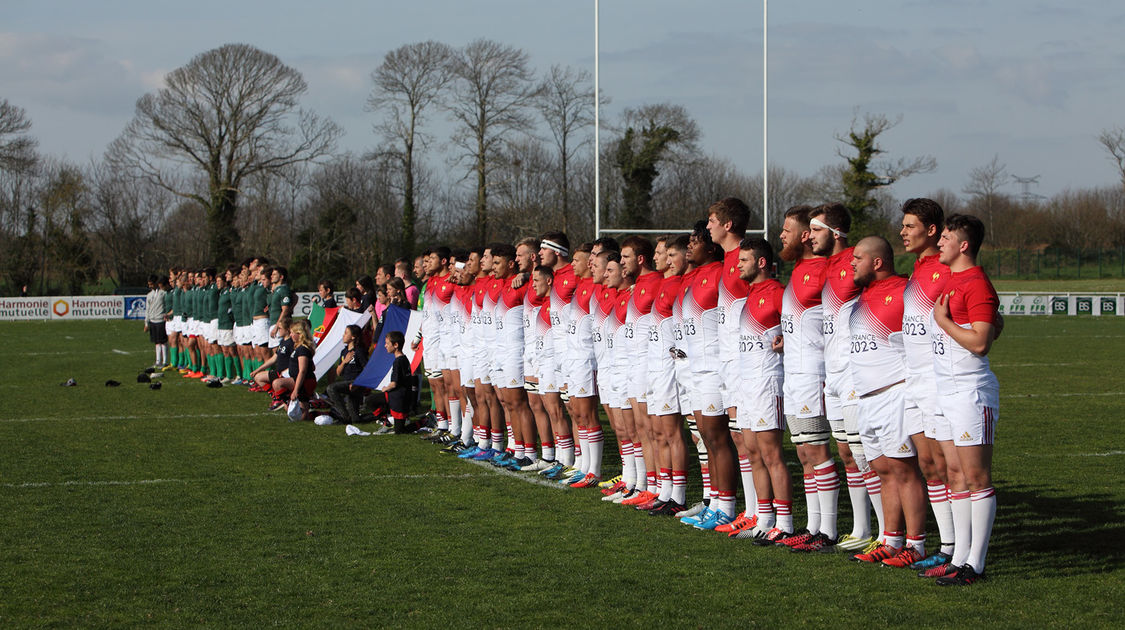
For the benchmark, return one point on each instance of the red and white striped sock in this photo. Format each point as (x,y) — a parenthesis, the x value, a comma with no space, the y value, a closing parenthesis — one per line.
(861,507)
(548,451)
(893,539)
(639,463)
(665,484)
(766,518)
(481,434)
(723,501)
(679,486)
(784,512)
(984,515)
(653,481)
(943,513)
(629,468)
(595,442)
(828,492)
(918,543)
(566,450)
(746,469)
(875,494)
(812,504)
(706,472)
(497,440)
(582,450)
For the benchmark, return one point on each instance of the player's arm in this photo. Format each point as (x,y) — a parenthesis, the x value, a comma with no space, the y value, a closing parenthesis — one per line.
(977,339)
(265,366)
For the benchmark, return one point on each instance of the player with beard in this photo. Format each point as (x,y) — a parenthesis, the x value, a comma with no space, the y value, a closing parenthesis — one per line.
(554,252)
(578,368)
(486,289)
(726,221)
(878,368)
(636,262)
(760,407)
(601,313)
(539,356)
(700,327)
(508,360)
(429,333)
(803,360)
(458,348)
(828,230)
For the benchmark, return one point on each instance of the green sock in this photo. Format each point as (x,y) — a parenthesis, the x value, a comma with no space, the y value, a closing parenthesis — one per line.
(232,370)
(173,355)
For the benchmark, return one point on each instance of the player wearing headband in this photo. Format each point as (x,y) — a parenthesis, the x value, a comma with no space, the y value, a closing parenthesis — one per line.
(554,252)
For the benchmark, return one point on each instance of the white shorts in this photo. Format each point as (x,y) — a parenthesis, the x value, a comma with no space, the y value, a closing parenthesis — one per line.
(804,395)
(226,337)
(175,324)
(912,417)
(260,331)
(242,335)
(637,377)
(189,327)
(838,393)
(482,366)
(881,425)
(452,362)
(705,395)
(663,396)
(509,371)
(465,360)
(760,407)
(211,331)
(273,340)
(972,415)
(549,380)
(730,383)
(922,406)
(684,383)
(579,376)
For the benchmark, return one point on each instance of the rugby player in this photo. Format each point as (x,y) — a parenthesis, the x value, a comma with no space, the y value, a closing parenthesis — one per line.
(966,313)
(878,368)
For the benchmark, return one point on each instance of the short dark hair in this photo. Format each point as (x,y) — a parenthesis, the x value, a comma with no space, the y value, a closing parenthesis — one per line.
(556,237)
(734,210)
(503,250)
(356,331)
(545,270)
(153,278)
(459,254)
(396,337)
(680,242)
(607,242)
(328,284)
(641,246)
(586,247)
(387,268)
(970,228)
(353,293)
(367,283)
(282,271)
(835,216)
(442,252)
(928,211)
(760,247)
(610,255)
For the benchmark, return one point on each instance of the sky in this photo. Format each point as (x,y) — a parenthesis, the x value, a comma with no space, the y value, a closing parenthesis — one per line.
(1031,82)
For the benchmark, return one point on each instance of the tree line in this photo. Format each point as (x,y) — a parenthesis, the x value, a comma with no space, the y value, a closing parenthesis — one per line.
(223,161)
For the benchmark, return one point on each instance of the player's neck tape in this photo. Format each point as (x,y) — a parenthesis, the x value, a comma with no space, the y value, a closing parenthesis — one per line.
(555,247)
(821,224)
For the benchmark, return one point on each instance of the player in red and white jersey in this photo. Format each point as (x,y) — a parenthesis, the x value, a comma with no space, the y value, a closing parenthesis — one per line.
(446,355)
(434,263)
(488,415)
(726,221)
(802,318)
(539,371)
(554,252)
(577,366)
(467,277)
(452,292)
(612,374)
(922,221)
(878,367)
(636,262)
(969,393)
(662,395)
(828,229)
(760,407)
(700,328)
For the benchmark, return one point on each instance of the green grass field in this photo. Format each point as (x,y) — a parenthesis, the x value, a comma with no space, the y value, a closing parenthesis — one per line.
(190,506)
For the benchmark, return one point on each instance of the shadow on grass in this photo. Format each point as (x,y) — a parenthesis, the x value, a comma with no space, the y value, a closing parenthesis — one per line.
(1039,532)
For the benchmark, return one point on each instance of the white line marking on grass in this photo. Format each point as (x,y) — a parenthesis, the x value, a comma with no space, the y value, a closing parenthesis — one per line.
(1105,454)
(515,475)
(45,484)
(424,476)
(1005,365)
(178,417)
(116,351)
(1063,394)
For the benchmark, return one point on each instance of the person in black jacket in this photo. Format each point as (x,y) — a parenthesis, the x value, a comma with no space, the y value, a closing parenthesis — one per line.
(345,396)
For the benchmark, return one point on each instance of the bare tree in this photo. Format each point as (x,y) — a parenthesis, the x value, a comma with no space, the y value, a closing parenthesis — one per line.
(17,149)
(228,114)
(864,174)
(127,217)
(493,90)
(984,189)
(566,102)
(1113,140)
(410,80)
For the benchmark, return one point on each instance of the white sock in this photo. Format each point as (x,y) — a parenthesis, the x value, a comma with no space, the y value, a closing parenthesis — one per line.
(595,445)
(748,489)
(582,450)
(960,504)
(812,504)
(665,485)
(943,513)
(861,507)
(918,543)
(629,469)
(983,511)
(875,495)
(784,512)
(639,462)
(455,416)
(828,493)
(565,450)
(679,486)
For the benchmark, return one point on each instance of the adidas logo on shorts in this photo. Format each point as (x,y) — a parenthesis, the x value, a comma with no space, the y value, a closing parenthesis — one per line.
(805,409)
(904,449)
(710,407)
(513,382)
(851,395)
(581,390)
(761,422)
(965,436)
(666,407)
